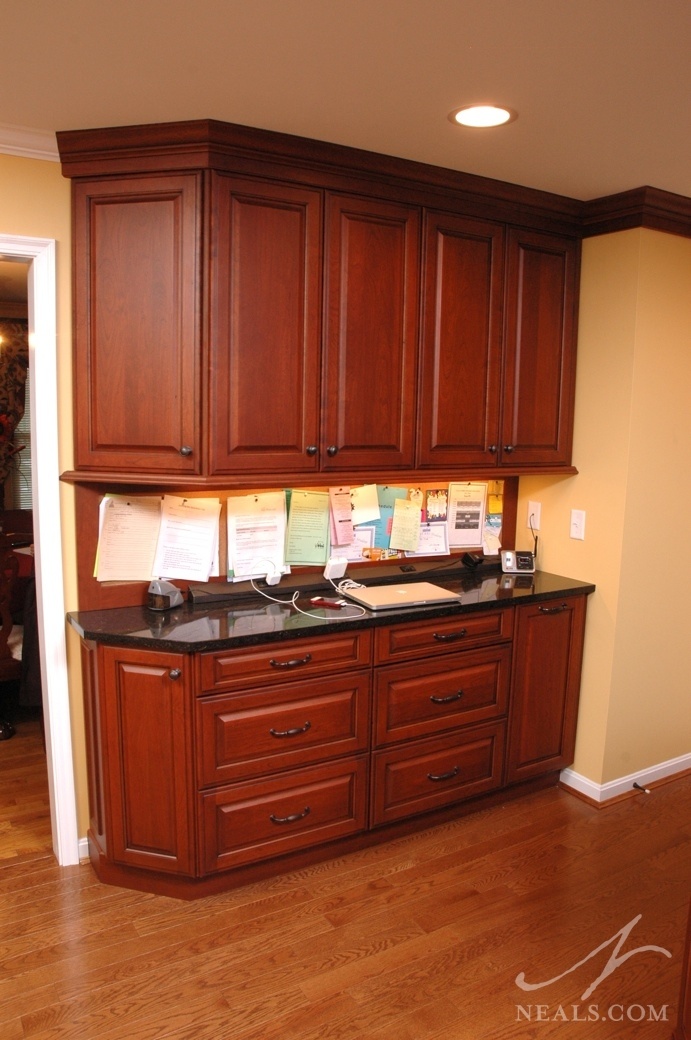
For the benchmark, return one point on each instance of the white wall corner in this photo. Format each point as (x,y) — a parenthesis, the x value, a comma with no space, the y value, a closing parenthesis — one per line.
(602,793)
(28,143)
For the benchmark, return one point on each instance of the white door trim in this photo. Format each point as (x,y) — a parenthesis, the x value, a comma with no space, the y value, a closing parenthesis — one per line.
(50,596)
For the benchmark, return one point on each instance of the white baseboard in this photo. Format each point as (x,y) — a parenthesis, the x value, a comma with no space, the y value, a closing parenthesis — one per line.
(83,849)
(614,788)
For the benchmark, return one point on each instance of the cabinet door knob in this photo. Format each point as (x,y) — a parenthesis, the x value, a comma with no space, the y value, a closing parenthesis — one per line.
(312,449)
(492,449)
(174,673)
(291,819)
(332,450)
(185,450)
(508,448)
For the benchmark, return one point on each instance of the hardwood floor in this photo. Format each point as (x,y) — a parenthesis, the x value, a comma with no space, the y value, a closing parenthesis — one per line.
(24,806)
(419,939)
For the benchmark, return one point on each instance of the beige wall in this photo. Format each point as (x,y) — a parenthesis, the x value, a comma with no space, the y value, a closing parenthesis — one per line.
(35,203)
(632,442)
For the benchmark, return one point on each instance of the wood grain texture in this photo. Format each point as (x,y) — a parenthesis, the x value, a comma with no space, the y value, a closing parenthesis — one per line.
(418,939)
(24,805)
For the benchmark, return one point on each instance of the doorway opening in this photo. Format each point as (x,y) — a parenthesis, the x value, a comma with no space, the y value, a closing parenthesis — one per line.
(39,253)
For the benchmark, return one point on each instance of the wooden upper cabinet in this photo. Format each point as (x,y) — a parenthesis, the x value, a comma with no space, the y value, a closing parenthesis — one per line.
(137,324)
(540,357)
(372,284)
(253,309)
(265,282)
(460,363)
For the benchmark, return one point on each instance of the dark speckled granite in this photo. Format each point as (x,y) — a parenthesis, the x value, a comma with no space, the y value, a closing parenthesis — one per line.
(251,619)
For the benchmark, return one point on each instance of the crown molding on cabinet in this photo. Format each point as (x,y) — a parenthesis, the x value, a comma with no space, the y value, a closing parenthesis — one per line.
(28,143)
(210,144)
(646,207)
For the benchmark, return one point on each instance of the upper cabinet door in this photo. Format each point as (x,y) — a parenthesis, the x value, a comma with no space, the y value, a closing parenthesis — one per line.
(460,364)
(265,294)
(540,363)
(137,324)
(372,272)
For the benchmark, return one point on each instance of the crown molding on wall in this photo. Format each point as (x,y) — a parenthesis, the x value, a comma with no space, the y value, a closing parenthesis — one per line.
(641,207)
(28,143)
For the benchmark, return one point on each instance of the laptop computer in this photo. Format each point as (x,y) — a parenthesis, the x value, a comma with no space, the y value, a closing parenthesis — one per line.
(392,597)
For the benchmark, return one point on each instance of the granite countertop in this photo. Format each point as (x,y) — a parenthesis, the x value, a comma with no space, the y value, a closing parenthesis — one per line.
(248,618)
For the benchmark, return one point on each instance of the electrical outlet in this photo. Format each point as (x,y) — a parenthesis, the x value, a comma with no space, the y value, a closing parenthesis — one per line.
(578,524)
(533,520)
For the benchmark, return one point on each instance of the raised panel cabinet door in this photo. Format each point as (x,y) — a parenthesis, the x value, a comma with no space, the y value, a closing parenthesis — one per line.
(546,676)
(265,327)
(372,267)
(137,332)
(461,341)
(146,718)
(540,345)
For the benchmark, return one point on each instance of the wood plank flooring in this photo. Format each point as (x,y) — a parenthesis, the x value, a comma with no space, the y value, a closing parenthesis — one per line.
(419,939)
(24,802)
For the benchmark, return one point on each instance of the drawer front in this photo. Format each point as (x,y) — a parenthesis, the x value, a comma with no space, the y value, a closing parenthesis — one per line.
(445,635)
(280,727)
(249,822)
(289,660)
(430,774)
(420,699)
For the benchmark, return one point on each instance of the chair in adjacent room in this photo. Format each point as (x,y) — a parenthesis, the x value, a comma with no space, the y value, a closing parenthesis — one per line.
(11,636)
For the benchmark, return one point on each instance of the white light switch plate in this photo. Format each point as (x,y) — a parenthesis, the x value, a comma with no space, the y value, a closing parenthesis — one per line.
(578,524)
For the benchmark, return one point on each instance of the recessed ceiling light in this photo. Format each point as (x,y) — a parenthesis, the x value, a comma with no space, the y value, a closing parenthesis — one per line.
(482,115)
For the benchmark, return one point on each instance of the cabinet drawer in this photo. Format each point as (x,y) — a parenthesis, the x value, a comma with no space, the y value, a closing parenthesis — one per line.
(444,635)
(430,774)
(278,727)
(419,699)
(288,660)
(248,822)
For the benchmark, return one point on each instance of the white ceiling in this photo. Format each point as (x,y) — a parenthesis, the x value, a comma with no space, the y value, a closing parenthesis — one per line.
(602,87)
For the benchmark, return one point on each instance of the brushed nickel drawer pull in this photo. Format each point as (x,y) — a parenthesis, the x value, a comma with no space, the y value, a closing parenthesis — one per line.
(290,732)
(447,700)
(553,610)
(443,776)
(293,663)
(291,819)
(448,637)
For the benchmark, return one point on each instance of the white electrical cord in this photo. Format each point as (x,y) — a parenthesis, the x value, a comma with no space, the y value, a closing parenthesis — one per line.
(292,602)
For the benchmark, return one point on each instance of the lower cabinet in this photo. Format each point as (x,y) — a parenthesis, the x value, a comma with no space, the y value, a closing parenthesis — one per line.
(203,767)
(548,648)
(434,773)
(147,763)
(251,821)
